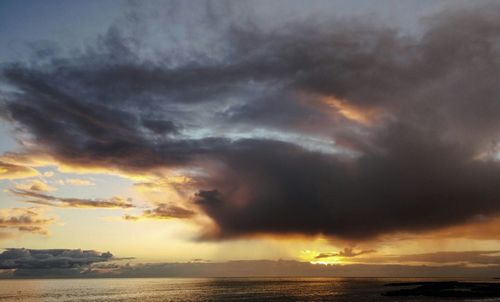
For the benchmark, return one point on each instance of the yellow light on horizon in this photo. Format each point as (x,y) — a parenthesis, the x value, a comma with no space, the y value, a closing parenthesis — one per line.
(311,257)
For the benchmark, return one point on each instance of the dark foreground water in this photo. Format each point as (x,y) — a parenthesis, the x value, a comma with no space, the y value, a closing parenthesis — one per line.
(205,289)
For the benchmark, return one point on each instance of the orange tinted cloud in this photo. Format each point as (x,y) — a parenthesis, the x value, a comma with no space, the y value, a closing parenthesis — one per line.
(44,199)
(13,171)
(37,159)
(350,111)
(163,211)
(35,185)
(478,229)
(27,220)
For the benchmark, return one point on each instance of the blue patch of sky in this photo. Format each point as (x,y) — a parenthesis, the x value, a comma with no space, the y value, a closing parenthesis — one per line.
(70,23)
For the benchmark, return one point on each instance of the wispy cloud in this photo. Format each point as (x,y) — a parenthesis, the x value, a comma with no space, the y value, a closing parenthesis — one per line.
(163,211)
(44,199)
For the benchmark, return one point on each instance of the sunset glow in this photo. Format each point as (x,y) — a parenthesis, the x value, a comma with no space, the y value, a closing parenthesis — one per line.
(186,138)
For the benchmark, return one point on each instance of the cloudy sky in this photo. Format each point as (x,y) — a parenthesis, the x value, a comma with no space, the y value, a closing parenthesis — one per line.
(338,132)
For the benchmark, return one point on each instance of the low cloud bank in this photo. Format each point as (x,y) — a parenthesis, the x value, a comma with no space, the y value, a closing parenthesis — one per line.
(63,263)
(20,258)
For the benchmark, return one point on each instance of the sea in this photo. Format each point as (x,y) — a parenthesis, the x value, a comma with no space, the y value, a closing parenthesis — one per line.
(206,289)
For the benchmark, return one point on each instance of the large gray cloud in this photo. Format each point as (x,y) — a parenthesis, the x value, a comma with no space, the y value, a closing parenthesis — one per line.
(20,258)
(422,161)
(415,184)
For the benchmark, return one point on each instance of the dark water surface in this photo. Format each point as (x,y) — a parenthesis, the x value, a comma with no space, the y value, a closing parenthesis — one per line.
(204,289)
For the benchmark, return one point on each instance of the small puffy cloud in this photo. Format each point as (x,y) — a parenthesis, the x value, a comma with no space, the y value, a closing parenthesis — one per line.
(48,174)
(167,211)
(20,258)
(79,182)
(25,220)
(12,171)
(35,185)
(44,199)
(130,217)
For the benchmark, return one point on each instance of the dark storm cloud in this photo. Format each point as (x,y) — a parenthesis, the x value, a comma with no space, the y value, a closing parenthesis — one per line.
(44,199)
(421,159)
(20,258)
(160,126)
(413,186)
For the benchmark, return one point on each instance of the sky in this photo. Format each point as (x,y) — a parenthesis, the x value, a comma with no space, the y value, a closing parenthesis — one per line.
(219,137)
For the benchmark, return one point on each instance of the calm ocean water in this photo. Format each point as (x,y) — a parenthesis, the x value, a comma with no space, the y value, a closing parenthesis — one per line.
(203,289)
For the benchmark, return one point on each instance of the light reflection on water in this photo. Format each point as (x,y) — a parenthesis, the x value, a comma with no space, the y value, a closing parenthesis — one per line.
(199,290)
